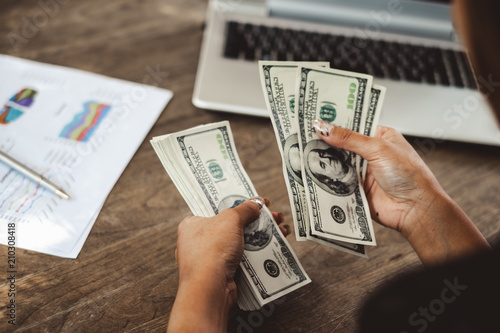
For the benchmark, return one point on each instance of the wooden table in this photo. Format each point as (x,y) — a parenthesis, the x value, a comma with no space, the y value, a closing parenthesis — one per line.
(125,278)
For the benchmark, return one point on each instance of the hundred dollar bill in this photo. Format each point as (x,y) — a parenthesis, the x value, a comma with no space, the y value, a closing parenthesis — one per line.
(165,149)
(337,204)
(269,268)
(278,84)
(370,127)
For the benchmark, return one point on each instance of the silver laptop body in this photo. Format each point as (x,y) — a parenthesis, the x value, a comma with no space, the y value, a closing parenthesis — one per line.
(420,109)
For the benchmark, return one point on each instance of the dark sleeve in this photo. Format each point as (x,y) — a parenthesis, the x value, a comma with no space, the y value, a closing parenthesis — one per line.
(463,296)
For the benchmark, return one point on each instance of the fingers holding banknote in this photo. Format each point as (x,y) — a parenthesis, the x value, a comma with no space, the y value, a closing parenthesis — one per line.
(398,183)
(403,194)
(219,239)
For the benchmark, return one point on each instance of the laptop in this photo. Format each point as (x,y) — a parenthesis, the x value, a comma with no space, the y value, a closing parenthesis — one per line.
(410,47)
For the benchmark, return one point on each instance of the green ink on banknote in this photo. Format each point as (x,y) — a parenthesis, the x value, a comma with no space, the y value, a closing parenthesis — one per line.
(215,170)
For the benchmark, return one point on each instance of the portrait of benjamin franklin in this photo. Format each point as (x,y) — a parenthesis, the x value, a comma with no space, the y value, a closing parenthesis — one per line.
(330,168)
(292,158)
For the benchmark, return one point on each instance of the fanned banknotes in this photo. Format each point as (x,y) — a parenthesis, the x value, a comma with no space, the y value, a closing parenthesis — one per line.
(324,183)
(204,166)
(337,204)
(278,81)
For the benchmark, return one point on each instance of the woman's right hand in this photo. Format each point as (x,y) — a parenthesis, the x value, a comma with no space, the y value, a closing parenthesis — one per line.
(398,183)
(404,195)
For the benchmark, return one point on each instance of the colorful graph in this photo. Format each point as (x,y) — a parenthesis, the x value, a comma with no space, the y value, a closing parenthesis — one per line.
(85,123)
(17,105)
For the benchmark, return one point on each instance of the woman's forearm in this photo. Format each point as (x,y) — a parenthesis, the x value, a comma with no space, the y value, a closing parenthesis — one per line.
(443,232)
(201,305)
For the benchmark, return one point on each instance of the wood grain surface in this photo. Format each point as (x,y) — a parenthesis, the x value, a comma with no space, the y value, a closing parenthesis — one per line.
(125,278)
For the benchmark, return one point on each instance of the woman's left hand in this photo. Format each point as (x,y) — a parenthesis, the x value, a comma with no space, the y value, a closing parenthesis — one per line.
(208,253)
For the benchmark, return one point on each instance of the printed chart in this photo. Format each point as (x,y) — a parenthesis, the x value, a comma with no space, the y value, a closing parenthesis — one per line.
(17,105)
(77,129)
(84,124)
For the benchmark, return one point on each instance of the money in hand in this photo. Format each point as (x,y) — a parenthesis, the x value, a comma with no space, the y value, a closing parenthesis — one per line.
(337,204)
(279,84)
(204,166)
(332,209)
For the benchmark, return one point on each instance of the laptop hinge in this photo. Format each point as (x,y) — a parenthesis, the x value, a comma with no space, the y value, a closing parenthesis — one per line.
(254,8)
(369,18)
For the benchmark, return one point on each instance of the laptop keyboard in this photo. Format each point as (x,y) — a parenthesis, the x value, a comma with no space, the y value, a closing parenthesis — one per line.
(382,59)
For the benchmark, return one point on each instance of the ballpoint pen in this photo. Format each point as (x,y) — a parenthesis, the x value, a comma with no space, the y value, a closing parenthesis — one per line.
(32,175)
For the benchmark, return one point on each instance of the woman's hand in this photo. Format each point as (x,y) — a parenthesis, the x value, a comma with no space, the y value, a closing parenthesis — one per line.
(404,195)
(208,253)
(398,183)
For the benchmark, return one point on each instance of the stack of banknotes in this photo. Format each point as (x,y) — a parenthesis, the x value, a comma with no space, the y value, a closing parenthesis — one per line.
(325,184)
(204,166)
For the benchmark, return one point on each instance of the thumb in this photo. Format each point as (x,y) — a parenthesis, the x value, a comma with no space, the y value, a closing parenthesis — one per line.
(344,138)
(249,210)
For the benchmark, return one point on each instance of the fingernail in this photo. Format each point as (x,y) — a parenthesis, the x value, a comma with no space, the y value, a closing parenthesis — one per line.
(323,127)
(287,228)
(258,200)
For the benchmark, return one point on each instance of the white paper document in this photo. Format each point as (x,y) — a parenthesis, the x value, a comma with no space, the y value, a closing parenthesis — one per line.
(77,129)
